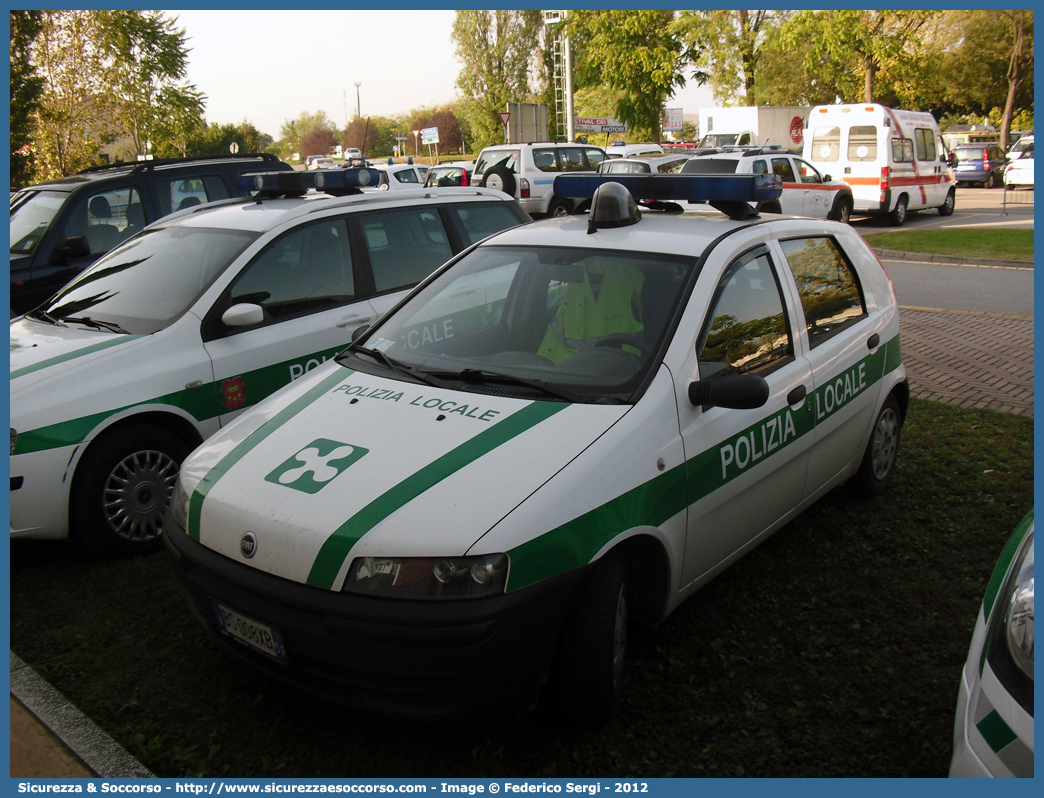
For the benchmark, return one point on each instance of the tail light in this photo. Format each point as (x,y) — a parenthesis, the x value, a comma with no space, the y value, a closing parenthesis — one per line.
(884,182)
(523,188)
(464,177)
(986,159)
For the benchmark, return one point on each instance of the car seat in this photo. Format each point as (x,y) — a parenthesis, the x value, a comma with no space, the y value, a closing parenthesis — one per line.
(101,235)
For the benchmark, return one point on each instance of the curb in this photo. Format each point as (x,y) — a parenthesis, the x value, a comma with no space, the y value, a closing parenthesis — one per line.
(928,257)
(93,746)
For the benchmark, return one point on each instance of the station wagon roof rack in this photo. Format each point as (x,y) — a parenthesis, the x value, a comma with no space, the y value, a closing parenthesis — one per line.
(143,166)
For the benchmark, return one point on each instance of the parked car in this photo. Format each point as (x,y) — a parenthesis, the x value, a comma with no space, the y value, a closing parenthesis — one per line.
(806,192)
(561,434)
(661,164)
(393,176)
(527,172)
(353,153)
(1019,173)
(455,174)
(320,163)
(177,330)
(620,149)
(61,227)
(982,164)
(1025,142)
(993,729)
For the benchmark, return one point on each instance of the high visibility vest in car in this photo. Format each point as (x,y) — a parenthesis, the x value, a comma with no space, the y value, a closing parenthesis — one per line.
(582,317)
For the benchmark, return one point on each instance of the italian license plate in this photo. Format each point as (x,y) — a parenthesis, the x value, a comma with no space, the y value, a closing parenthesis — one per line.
(259,636)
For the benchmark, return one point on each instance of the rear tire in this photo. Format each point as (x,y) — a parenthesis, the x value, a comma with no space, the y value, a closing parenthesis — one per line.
(990,181)
(592,646)
(882,450)
(122,488)
(558,207)
(898,214)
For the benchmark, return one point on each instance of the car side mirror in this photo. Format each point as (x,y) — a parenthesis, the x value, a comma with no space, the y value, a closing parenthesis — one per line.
(358,332)
(243,315)
(71,248)
(735,391)
(827,178)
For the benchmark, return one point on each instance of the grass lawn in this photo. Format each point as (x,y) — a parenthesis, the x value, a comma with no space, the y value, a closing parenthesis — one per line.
(834,649)
(1005,244)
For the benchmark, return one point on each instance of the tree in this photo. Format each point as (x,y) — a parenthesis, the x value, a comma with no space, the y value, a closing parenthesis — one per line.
(26,89)
(850,48)
(445,119)
(181,123)
(319,141)
(1019,63)
(496,52)
(293,130)
(217,139)
(635,52)
(727,47)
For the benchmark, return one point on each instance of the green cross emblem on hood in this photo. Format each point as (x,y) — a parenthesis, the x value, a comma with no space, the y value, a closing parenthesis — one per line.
(316,465)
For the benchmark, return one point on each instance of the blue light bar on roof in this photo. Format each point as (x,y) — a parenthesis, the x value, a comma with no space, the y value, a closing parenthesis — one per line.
(291,183)
(692,188)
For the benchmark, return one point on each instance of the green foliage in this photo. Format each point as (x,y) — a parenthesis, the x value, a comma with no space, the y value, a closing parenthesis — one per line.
(217,139)
(495,49)
(727,47)
(635,52)
(294,130)
(26,88)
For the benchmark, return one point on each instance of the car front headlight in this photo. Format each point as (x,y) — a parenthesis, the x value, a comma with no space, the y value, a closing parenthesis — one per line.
(1018,619)
(179,505)
(428,577)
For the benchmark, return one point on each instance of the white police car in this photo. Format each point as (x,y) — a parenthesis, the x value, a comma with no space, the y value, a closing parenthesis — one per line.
(566,430)
(393,176)
(806,192)
(203,314)
(993,730)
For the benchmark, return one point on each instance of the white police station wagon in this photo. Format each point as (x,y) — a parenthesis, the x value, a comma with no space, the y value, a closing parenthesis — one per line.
(993,728)
(565,431)
(205,313)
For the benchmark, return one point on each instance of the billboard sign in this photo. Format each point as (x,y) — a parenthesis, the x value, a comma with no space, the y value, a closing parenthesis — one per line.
(672,120)
(587,124)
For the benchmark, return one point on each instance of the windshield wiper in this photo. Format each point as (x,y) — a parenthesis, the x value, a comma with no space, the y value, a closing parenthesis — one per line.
(98,324)
(395,365)
(44,316)
(479,376)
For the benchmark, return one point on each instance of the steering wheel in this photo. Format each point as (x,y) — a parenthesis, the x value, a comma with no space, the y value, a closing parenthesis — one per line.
(620,340)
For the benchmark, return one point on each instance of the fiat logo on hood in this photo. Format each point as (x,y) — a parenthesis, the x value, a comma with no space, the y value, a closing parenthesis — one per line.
(248,545)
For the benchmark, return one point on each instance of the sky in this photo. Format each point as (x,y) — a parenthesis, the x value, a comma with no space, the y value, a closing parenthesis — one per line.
(402,59)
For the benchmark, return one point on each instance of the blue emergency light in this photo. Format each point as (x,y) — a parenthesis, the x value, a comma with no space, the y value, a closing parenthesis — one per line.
(727,193)
(336,182)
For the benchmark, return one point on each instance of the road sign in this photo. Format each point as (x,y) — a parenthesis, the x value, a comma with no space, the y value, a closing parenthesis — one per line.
(400,137)
(504,117)
(585,124)
(233,148)
(430,135)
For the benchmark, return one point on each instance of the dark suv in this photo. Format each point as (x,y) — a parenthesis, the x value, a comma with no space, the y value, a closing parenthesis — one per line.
(980,163)
(60,228)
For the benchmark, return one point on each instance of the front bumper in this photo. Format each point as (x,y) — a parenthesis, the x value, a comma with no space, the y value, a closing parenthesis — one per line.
(40,484)
(434,659)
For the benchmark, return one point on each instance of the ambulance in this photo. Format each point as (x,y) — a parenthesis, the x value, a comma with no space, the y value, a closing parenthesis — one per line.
(895,161)
(564,432)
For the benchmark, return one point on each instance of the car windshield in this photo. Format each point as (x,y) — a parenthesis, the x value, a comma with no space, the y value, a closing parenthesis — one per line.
(31,217)
(151,280)
(583,325)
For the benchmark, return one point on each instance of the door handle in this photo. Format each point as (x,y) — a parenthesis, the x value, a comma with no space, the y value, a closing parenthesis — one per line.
(873,341)
(796,395)
(357,318)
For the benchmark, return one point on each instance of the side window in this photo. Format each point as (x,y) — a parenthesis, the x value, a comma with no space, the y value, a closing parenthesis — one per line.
(183,192)
(902,151)
(544,160)
(925,140)
(760,167)
(107,218)
(807,172)
(671,167)
(782,167)
(830,293)
(307,270)
(484,219)
(744,140)
(594,158)
(746,330)
(826,143)
(862,143)
(571,159)
(405,246)
(406,176)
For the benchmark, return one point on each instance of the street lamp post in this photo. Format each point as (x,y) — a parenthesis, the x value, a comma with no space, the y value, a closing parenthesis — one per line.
(358,106)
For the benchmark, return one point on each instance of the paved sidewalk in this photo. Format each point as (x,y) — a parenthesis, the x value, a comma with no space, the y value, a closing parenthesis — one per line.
(969,359)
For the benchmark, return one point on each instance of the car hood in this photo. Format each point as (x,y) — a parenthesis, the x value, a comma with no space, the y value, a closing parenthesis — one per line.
(344,464)
(40,351)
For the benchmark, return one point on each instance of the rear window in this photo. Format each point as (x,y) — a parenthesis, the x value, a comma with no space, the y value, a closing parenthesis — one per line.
(969,153)
(710,166)
(826,143)
(862,143)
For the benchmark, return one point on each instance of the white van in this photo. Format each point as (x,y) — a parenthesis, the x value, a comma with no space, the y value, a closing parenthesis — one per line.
(895,161)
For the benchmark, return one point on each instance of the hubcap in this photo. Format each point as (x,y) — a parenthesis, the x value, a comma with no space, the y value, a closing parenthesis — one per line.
(137,493)
(619,637)
(886,440)
(560,210)
(900,212)
(494,182)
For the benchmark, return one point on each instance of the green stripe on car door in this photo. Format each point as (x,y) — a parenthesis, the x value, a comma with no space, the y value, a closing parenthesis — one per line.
(51,361)
(252,440)
(334,551)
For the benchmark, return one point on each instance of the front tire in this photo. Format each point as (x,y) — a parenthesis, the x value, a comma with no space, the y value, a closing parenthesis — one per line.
(122,489)
(593,645)
(842,210)
(898,214)
(946,209)
(875,472)
(558,207)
